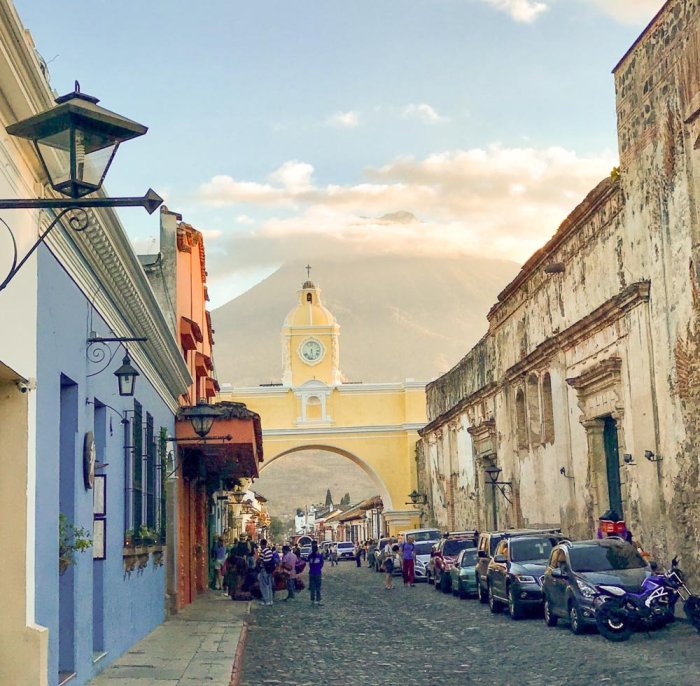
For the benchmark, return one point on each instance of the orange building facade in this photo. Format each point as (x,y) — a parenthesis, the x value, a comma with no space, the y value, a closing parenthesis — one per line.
(233,448)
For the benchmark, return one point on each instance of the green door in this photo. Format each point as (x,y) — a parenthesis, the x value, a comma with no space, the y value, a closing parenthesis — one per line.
(612,462)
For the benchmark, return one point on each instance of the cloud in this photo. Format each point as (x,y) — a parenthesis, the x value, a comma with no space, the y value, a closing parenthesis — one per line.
(482,201)
(521,10)
(629,11)
(424,113)
(344,120)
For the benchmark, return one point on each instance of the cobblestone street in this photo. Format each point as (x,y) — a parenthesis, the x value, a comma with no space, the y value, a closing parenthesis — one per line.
(366,636)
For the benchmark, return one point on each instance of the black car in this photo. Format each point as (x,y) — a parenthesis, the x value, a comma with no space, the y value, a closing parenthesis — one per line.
(486,548)
(574,570)
(514,574)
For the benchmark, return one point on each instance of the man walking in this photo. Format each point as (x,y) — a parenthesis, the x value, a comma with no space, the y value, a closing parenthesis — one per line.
(289,565)
(408,558)
(315,567)
(267,567)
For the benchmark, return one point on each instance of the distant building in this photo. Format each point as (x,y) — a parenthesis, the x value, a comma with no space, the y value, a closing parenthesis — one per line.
(372,424)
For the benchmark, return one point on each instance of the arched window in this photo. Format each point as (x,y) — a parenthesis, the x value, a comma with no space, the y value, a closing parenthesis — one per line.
(533,407)
(521,418)
(547,410)
(313,408)
(309,298)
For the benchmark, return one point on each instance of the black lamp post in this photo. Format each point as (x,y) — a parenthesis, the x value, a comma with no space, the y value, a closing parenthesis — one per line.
(202,417)
(493,472)
(76,142)
(126,377)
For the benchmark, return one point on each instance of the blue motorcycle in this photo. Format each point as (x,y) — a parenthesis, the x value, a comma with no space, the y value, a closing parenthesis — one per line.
(620,613)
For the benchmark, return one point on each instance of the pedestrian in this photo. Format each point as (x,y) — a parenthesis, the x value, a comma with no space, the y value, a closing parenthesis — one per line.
(370,554)
(315,567)
(267,567)
(388,567)
(289,565)
(408,561)
(334,555)
(358,555)
(219,555)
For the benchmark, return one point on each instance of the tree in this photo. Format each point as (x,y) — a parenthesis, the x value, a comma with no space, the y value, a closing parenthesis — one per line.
(329,498)
(345,500)
(277,528)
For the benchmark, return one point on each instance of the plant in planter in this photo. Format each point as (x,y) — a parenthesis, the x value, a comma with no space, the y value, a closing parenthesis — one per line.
(128,538)
(71,539)
(148,536)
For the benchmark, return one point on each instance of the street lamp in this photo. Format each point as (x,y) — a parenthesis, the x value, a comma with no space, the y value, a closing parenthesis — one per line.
(493,472)
(202,417)
(126,377)
(417,498)
(76,142)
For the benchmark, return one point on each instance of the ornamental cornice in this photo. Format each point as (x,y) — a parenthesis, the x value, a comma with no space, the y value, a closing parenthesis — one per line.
(105,268)
(608,313)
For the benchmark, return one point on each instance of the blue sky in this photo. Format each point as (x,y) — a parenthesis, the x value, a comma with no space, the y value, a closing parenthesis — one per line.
(291,130)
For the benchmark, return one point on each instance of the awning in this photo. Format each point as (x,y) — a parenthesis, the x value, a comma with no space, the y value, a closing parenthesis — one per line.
(202,364)
(190,333)
(211,387)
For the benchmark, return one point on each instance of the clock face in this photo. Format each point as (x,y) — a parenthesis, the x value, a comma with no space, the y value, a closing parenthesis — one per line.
(311,350)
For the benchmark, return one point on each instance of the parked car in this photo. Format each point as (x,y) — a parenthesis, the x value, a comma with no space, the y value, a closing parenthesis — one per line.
(444,556)
(486,548)
(420,535)
(423,550)
(514,575)
(305,551)
(575,568)
(463,574)
(346,550)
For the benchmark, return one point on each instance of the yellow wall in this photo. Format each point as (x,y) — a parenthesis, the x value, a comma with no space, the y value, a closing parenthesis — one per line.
(373,425)
(23,646)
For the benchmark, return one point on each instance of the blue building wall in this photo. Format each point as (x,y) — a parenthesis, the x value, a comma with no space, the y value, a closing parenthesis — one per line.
(129,605)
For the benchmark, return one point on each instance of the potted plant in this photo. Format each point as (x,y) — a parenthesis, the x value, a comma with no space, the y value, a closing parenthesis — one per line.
(148,536)
(128,538)
(71,539)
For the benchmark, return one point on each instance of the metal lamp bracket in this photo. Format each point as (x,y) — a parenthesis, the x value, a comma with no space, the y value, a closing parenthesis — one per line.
(99,352)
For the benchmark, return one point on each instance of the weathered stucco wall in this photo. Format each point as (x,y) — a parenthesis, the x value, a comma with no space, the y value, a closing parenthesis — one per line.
(597,339)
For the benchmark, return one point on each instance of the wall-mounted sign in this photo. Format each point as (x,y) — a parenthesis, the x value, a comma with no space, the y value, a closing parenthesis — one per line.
(89,459)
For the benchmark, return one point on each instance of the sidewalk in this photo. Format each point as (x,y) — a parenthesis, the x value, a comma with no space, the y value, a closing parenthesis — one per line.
(201,645)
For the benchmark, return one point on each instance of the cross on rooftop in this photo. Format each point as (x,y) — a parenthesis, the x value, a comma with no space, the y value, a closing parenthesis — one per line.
(308,271)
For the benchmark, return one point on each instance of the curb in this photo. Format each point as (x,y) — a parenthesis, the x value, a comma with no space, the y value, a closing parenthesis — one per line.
(237,669)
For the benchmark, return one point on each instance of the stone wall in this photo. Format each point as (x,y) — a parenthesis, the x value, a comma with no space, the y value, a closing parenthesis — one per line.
(595,343)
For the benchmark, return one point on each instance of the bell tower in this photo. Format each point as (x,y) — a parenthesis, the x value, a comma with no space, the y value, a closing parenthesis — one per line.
(310,345)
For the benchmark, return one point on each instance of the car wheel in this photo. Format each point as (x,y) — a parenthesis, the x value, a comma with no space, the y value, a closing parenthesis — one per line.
(482,595)
(550,619)
(494,604)
(575,623)
(462,593)
(515,609)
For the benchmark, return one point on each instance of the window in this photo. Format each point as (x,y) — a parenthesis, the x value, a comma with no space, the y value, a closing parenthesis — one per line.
(520,418)
(137,467)
(313,408)
(598,558)
(309,298)
(547,410)
(530,550)
(533,407)
(453,546)
(149,476)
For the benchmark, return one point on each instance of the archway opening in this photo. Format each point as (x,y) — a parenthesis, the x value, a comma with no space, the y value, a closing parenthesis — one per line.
(301,481)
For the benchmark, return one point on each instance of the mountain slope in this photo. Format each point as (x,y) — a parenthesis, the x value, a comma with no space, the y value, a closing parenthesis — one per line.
(400,317)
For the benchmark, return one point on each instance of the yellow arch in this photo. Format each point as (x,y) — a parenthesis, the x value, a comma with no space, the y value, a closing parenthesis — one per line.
(355,459)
